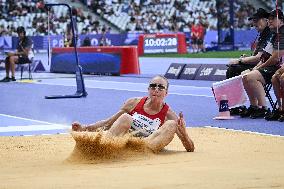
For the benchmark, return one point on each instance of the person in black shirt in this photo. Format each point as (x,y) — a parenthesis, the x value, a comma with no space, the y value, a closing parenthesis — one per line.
(237,66)
(22,55)
(264,70)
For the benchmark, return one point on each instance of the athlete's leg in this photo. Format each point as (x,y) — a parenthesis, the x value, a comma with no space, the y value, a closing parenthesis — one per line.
(163,136)
(281,102)
(12,61)
(253,84)
(276,87)
(121,126)
(7,67)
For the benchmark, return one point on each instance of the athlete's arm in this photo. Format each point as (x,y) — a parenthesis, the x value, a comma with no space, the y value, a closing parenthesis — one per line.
(273,59)
(247,60)
(127,107)
(181,130)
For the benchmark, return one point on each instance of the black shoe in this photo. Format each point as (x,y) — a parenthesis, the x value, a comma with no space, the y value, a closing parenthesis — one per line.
(242,109)
(274,116)
(6,79)
(259,113)
(13,79)
(235,111)
(248,112)
(281,118)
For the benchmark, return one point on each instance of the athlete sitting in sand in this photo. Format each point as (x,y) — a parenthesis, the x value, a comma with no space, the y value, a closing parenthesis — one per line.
(147,117)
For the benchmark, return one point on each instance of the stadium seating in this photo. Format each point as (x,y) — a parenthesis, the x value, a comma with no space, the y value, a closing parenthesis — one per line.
(167,15)
(34,19)
(144,15)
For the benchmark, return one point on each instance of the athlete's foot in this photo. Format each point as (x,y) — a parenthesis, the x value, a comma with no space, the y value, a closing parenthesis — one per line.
(78,127)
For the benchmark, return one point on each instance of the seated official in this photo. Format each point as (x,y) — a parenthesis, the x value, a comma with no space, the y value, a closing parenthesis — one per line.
(262,73)
(237,66)
(22,55)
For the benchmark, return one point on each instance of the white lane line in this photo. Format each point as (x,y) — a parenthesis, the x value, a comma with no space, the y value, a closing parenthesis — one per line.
(241,131)
(33,128)
(45,134)
(27,119)
(135,87)
(146,85)
(55,82)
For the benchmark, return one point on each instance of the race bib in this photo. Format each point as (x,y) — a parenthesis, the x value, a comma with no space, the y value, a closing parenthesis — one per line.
(144,125)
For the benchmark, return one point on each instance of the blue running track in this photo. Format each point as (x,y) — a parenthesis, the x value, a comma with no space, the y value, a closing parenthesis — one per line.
(24,111)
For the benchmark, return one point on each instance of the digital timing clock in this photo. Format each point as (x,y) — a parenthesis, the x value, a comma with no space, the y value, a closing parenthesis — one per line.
(161,44)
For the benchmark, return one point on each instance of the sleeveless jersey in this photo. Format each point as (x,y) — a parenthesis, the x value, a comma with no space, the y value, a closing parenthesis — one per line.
(144,123)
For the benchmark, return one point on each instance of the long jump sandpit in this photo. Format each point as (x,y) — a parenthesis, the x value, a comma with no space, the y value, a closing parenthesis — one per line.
(223,159)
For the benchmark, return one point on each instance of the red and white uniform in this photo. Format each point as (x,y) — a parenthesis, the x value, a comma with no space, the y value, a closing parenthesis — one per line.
(145,123)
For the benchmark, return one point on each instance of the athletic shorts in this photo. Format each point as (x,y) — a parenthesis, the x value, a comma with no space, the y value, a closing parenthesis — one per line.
(200,41)
(194,41)
(236,69)
(268,72)
(23,60)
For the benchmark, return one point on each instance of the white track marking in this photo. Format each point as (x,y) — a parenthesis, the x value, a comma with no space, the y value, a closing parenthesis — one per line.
(133,87)
(27,119)
(33,128)
(241,131)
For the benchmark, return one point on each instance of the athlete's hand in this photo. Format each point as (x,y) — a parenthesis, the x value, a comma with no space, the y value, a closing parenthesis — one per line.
(233,61)
(181,123)
(255,68)
(279,72)
(182,134)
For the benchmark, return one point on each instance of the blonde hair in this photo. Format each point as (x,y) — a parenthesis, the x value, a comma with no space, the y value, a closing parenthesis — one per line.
(164,78)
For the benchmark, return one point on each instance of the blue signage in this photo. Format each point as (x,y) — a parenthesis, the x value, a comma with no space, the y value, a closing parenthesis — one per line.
(6,42)
(151,44)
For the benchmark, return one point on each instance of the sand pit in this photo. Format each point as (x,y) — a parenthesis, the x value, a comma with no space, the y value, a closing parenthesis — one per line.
(94,147)
(223,159)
